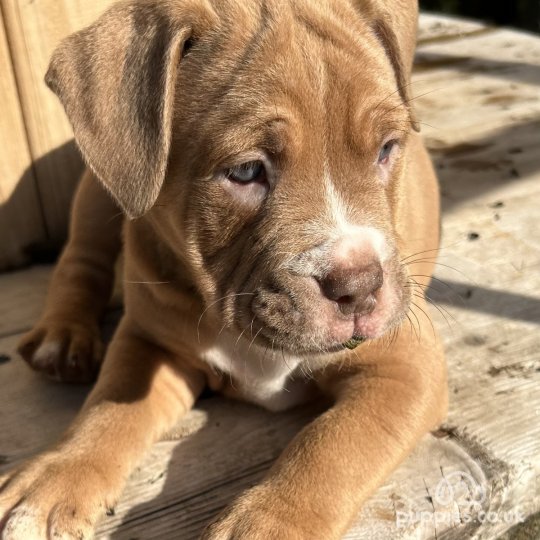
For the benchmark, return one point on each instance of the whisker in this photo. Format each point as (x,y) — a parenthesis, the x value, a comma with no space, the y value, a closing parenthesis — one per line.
(427,125)
(445,314)
(239,338)
(115,216)
(253,340)
(230,372)
(146,282)
(284,359)
(272,352)
(398,330)
(410,322)
(427,316)
(440,248)
(213,304)
(395,337)
(424,296)
(222,328)
(400,89)
(468,278)
(419,334)
(344,358)
(437,306)
(390,95)
(291,376)
(436,279)
(389,338)
(414,98)
(262,358)
(449,294)
(423,289)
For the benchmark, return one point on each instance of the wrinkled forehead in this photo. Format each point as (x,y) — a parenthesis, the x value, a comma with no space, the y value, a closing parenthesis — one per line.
(268,65)
(296,48)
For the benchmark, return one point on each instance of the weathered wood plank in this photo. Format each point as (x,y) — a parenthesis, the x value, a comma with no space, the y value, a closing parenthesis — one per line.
(478,85)
(437,28)
(33,412)
(483,126)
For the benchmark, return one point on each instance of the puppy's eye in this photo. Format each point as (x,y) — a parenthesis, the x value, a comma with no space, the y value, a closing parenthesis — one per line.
(386,151)
(252,171)
(188,45)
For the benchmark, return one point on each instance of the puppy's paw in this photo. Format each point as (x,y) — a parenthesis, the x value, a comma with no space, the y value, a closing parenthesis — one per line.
(68,351)
(52,497)
(260,515)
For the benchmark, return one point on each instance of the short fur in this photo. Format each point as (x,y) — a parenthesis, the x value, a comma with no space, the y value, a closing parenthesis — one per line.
(241,287)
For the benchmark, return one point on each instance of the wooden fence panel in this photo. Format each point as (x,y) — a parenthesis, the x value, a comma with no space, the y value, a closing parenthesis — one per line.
(33,30)
(21,222)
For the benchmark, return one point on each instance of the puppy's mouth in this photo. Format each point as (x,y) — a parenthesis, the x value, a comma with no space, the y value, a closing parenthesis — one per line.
(300,321)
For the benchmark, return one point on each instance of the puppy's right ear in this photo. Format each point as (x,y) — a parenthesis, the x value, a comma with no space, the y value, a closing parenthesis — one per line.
(395,25)
(116,81)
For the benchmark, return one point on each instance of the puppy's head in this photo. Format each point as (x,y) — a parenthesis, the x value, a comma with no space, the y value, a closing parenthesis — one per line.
(267,141)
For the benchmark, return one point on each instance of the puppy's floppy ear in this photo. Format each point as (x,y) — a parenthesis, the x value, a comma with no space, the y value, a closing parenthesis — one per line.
(395,24)
(116,81)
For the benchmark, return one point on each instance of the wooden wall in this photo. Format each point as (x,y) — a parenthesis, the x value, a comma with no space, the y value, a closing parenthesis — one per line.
(39,163)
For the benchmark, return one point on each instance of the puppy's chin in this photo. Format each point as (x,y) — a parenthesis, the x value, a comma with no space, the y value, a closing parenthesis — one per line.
(305,323)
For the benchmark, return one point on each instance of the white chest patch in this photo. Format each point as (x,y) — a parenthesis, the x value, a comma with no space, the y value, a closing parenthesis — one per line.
(267,378)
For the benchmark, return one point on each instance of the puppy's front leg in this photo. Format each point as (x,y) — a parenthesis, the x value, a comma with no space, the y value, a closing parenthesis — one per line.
(66,343)
(384,403)
(140,393)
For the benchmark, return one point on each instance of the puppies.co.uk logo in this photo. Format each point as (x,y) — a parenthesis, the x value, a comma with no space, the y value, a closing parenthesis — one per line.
(457,498)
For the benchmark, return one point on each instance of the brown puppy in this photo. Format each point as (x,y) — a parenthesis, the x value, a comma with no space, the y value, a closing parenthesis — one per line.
(264,154)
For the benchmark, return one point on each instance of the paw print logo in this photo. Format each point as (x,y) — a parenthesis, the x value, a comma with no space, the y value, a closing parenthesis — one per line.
(459,488)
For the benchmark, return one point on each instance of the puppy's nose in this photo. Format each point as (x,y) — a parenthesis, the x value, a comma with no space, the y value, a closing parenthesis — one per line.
(353,287)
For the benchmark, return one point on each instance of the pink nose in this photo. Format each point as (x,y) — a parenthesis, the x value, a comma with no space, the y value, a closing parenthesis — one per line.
(353,287)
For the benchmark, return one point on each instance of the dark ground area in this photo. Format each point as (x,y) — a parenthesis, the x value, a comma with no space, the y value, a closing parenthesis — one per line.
(518,13)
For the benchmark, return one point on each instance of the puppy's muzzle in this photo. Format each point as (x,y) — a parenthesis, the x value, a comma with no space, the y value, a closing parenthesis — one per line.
(335,296)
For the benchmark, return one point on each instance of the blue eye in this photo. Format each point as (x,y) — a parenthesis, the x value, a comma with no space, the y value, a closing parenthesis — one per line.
(386,150)
(246,172)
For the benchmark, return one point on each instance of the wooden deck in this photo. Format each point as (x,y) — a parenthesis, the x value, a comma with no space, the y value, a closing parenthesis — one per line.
(479,101)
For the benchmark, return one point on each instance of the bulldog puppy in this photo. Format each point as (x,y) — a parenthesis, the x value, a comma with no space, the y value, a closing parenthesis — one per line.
(274,189)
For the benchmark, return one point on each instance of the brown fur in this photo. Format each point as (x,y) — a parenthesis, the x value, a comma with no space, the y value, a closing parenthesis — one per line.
(163,97)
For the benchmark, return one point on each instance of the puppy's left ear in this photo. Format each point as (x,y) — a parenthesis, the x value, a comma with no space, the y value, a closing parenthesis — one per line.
(395,23)
(116,80)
